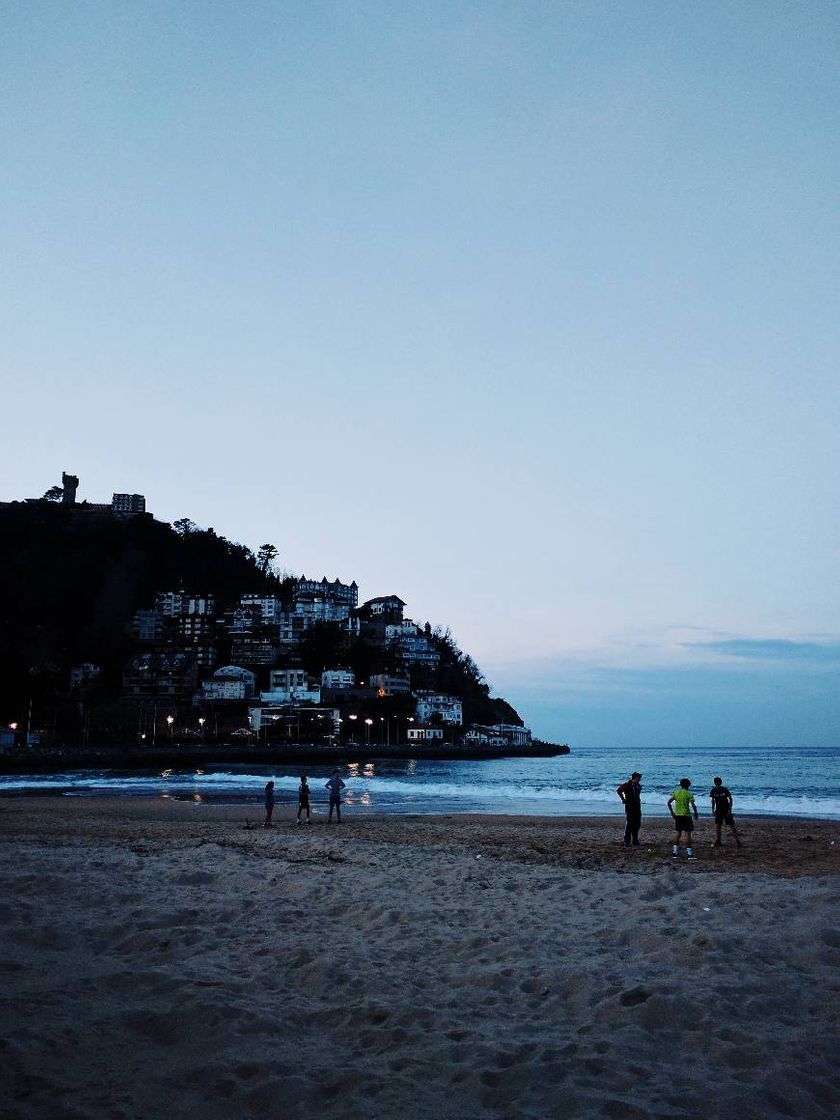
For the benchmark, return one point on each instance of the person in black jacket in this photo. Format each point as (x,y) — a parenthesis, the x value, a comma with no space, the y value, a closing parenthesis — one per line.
(335,785)
(722,808)
(270,801)
(303,800)
(630,793)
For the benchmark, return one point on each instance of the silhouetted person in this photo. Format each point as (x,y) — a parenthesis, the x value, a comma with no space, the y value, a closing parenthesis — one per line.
(270,801)
(722,809)
(303,799)
(683,798)
(630,793)
(335,786)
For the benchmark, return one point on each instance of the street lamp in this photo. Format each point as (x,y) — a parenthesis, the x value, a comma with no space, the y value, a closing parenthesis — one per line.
(368,725)
(353,729)
(381,730)
(170,720)
(201,723)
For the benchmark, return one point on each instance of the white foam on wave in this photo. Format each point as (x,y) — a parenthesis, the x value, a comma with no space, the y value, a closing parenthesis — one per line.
(421,795)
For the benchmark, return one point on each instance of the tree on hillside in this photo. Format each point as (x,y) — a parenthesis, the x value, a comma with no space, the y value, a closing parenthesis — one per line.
(266,555)
(183,526)
(54,494)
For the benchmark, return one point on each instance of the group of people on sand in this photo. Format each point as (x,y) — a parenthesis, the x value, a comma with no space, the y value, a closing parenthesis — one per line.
(335,785)
(682,807)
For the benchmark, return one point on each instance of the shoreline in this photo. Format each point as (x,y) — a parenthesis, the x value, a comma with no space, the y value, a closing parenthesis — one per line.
(362,812)
(119,758)
(254,802)
(359,805)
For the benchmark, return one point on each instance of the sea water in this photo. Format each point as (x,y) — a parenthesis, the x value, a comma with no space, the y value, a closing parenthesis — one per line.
(774,781)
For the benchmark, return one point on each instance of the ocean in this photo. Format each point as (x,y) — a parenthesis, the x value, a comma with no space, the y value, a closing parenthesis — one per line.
(772,781)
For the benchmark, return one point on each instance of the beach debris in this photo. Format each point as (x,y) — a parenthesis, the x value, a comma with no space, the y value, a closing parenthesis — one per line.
(707,909)
(478,857)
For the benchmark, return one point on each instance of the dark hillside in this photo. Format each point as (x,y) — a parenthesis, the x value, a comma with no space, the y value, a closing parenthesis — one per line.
(70,581)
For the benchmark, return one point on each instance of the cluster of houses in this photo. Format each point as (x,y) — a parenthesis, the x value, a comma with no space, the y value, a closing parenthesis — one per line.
(262,686)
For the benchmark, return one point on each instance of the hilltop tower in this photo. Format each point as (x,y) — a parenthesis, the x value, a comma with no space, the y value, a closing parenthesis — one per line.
(70,484)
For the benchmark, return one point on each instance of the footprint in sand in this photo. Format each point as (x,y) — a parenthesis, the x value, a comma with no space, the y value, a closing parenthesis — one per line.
(634,996)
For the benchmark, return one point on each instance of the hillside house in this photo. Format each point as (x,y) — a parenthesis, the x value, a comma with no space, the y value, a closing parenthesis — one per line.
(450,709)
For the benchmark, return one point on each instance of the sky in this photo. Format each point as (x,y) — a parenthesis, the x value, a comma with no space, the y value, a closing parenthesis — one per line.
(526,312)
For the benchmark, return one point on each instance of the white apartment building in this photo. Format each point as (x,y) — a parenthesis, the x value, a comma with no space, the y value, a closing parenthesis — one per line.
(198,604)
(168,603)
(318,609)
(425,734)
(449,708)
(229,683)
(242,620)
(291,627)
(498,735)
(338,678)
(290,722)
(396,630)
(290,686)
(268,606)
(337,592)
(417,648)
(388,684)
(171,604)
(128,505)
(388,606)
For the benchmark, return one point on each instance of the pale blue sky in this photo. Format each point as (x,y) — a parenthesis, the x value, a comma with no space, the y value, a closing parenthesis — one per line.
(527,312)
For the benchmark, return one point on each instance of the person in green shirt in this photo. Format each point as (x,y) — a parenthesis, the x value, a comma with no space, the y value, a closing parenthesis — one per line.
(683,799)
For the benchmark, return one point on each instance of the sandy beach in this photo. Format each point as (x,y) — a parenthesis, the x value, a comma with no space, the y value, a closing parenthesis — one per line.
(174,959)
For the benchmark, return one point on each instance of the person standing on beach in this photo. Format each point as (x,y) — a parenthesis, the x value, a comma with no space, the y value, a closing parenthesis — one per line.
(269,804)
(630,793)
(683,798)
(335,786)
(303,799)
(722,809)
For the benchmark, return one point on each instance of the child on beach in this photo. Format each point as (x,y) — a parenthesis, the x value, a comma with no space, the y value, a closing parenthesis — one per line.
(303,799)
(269,804)
(683,798)
(722,809)
(335,785)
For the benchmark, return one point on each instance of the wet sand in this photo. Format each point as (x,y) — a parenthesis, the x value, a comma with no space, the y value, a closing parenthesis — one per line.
(171,959)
